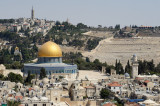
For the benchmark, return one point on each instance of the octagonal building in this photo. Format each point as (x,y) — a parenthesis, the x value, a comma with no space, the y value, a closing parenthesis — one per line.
(50,58)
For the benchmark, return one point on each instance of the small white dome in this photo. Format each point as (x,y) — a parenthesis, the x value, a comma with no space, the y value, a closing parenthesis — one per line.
(127,75)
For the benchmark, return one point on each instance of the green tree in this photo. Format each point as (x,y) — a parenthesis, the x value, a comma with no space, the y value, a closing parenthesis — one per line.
(117,27)
(15,77)
(28,79)
(104,93)
(119,68)
(128,68)
(87,59)
(42,73)
(1,76)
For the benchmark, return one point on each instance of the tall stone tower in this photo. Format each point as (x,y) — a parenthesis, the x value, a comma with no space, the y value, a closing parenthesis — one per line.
(32,14)
(134,66)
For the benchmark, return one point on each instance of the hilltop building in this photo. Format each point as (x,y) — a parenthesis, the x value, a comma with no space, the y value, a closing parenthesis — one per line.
(50,58)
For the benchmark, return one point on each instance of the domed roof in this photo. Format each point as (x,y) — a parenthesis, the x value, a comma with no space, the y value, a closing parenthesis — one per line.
(50,49)
(16,48)
(127,75)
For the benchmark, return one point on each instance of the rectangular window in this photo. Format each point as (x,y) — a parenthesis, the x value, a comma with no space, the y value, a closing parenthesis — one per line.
(155,79)
(44,104)
(35,105)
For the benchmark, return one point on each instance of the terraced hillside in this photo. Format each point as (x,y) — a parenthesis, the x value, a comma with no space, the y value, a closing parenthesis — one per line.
(111,49)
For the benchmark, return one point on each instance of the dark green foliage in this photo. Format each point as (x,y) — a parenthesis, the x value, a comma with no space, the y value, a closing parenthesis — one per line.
(9,36)
(61,31)
(119,68)
(61,77)
(119,102)
(87,59)
(91,44)
(105,94)
(14,65)
(42,73)
(81,26)
(83,64)
(13,103)
(77,43)
(15,77)
(7,21)
(28,52)
(1,77)
(133,96)
(117,27)
(147,67)
(128,68)
(29,78)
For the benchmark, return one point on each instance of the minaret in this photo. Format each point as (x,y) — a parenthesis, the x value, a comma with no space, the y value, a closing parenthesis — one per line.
(134,66)
(32,13)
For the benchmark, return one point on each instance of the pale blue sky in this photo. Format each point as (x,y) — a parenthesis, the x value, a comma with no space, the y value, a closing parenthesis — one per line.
(90,12)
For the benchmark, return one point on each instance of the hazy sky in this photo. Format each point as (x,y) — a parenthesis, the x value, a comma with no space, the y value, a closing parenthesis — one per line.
(90,12)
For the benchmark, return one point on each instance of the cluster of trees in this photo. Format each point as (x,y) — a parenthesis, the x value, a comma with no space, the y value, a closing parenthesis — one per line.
(106,94)
(77,43)
(13,103)
(92,43)
(42,73)
(117,27)
(10,36)
(12,77)
(148,67)
(144,67)
(128,68)
(7,57)
(30,76)
(7,21)
(84,64)
(71,33)
(28,51)
(119,68)
(122,34)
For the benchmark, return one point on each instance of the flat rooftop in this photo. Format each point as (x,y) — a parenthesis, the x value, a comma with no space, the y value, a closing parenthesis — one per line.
(91,75)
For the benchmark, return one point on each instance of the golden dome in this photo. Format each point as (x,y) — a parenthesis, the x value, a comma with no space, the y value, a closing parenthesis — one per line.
(16,48)
(49,49)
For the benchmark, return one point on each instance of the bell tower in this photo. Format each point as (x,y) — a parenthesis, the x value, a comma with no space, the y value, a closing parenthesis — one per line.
(32,13)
